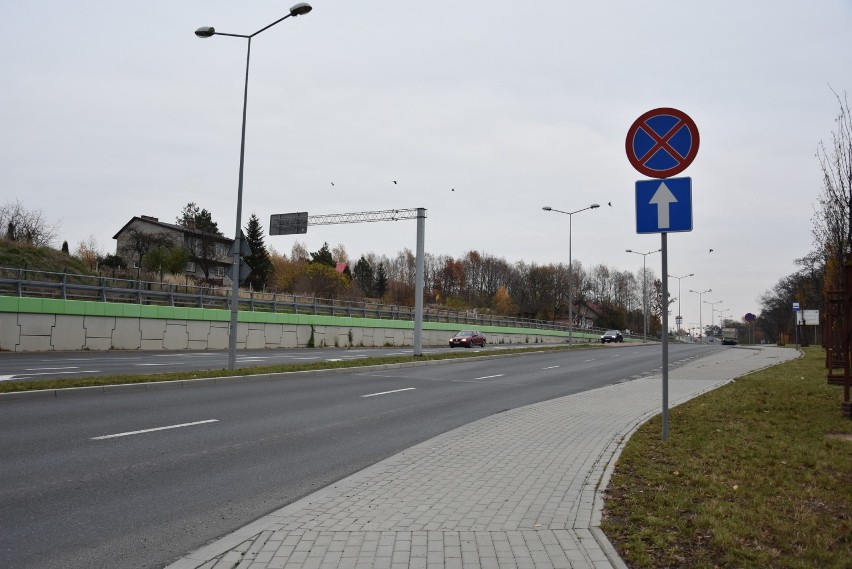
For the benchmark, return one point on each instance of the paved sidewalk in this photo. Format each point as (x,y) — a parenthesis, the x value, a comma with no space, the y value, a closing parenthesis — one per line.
(519,489)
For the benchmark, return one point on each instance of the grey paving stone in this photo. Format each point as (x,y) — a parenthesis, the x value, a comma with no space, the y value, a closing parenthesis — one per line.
(522,489)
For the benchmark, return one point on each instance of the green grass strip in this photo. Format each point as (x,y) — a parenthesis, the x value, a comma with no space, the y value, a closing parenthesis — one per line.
(756,474)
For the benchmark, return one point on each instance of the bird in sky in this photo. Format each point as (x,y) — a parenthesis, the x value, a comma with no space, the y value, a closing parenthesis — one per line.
(394,181)
(332,183)
(609,204)
(453,190)
(711,250)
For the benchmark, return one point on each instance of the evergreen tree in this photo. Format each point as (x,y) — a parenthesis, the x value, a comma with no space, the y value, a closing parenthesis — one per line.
(259,260)
(380,286)
(194,217)
(363,275)
(323,256)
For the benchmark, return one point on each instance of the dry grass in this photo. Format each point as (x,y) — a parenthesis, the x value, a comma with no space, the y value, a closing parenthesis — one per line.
(755,474)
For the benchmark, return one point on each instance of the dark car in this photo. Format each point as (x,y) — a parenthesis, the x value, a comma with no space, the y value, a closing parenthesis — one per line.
(611,336)
(729,342)
(467,338)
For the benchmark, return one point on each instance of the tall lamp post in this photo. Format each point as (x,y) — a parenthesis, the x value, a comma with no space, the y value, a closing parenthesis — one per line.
(644,291)
(712,316)
(679,318)
(721,318)
(570,215)
(700,321)
(205,32)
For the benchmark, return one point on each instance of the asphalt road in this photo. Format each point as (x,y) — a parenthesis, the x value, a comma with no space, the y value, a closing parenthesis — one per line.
(138,478)
(31,366)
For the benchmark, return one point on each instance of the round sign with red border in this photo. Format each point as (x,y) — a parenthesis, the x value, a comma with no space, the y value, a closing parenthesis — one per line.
(662,143)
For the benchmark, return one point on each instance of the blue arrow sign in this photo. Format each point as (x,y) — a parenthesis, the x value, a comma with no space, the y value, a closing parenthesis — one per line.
(664,206)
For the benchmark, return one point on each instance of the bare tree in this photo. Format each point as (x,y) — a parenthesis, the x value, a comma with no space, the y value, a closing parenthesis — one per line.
(141,242)
(27,225)
(832,222)
(89,252)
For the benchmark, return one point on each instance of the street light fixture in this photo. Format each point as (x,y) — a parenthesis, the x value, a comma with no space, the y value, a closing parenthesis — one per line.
(700,321)
(205,32)
(712,316)
(570,215)
(644,292)
(679,318)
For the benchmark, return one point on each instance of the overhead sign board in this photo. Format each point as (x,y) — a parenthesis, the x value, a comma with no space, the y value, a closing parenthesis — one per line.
(662,142)
(664,206)
(288,223)
(795,307)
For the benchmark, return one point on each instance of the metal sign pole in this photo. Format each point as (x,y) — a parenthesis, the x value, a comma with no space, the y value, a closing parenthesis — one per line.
(665,310)
(419,282)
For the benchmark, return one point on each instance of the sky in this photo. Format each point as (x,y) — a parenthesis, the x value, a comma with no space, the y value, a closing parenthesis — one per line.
(483,112)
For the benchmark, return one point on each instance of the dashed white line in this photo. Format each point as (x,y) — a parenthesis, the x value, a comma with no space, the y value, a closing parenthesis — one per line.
(550,367)
(489,376)
(50,368)
(143,431)
(388,392)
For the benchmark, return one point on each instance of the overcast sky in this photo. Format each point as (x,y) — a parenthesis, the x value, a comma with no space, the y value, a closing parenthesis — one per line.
(115,109)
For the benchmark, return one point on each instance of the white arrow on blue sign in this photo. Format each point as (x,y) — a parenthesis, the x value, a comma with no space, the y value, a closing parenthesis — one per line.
(664,206)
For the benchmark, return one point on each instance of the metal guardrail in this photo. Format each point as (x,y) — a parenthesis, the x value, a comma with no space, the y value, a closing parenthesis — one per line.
(68,286)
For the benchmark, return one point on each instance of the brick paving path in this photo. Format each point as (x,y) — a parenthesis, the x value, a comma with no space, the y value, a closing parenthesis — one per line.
(521,489)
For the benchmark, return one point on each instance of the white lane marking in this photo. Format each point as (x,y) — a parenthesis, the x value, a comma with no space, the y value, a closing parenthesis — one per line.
(127,434)
(355,357)
(57,372)
(615,355)
(587,361)
(550,367)
(334,360)
(489,376)
(387,392)
(6,377)
(49,368)
(398,354)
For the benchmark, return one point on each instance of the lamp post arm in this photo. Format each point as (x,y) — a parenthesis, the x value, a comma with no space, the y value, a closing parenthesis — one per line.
(270,25)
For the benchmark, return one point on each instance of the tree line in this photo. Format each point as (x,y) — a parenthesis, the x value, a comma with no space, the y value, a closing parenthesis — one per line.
(483,282)
(821,270)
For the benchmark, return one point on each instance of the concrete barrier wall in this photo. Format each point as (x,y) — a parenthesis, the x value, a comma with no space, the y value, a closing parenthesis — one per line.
(32,324)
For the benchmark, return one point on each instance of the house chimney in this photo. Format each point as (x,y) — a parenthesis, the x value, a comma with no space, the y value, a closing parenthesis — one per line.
(149,218)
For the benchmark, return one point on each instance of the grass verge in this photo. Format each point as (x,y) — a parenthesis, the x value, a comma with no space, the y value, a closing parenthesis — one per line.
(757,473)
(94,381)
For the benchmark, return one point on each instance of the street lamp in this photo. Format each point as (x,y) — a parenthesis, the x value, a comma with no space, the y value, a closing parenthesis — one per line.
(700,321)
(679,313)
(570,215)
(721,312)
(644,291)
(712,316)
(206,32)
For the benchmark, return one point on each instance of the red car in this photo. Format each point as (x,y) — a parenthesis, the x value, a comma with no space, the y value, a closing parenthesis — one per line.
(467,338)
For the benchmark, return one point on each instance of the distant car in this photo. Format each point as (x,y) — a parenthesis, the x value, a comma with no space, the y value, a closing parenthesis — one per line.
(729,342)
(611,336)
(467,339)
